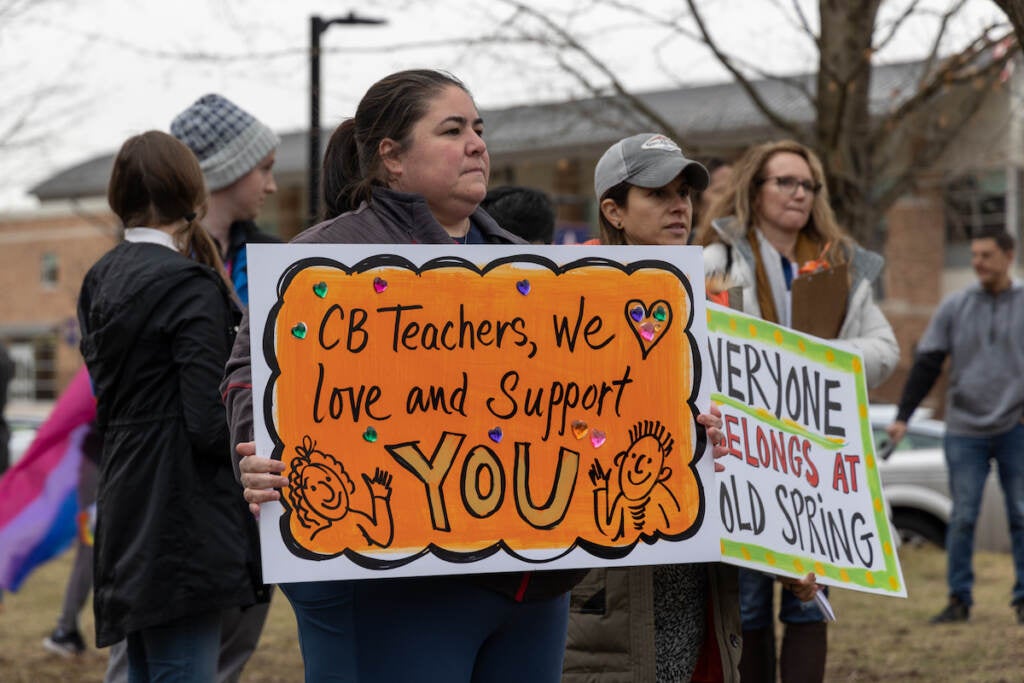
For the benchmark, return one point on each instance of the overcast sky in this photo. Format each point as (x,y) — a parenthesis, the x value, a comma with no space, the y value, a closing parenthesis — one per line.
(119,68)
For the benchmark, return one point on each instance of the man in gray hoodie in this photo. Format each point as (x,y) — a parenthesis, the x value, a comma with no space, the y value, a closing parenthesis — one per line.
(980,329)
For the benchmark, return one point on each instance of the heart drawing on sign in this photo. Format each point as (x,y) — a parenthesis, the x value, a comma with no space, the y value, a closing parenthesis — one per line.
(649,322)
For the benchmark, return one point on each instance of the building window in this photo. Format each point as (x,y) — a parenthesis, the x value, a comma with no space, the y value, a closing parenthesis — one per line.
(35,368)
(22,385)
(46,367)
(48,269)
(974,201)
(503,175)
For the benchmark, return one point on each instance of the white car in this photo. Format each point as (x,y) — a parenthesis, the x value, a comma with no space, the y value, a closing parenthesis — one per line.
(23,419)
(916,485)
(23,430)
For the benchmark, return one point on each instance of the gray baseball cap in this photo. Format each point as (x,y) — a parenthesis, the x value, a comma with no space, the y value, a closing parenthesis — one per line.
(646,160)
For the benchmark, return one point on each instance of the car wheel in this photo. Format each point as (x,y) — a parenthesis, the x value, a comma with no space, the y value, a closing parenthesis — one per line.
(918,528)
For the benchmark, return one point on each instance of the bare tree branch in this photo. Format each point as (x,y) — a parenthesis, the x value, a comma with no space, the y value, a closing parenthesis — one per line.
(805,25)
(212,57)
(870,156)
(577,48)
(958,68)
(774,117)
(896,25)
(940,33)
(1014,9)
(926,154)
(674,25)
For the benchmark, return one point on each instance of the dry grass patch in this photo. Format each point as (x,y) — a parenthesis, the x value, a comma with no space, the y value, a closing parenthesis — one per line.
(875,639)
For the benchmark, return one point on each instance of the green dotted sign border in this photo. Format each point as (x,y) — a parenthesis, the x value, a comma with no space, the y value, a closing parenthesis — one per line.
(744,328)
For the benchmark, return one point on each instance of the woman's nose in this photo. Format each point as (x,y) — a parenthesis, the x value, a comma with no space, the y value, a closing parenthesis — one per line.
(476,145)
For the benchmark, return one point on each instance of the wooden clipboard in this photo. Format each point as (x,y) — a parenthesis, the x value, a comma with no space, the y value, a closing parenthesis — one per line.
(819,301)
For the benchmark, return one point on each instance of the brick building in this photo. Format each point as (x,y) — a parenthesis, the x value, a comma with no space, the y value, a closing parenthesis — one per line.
(553,147)
(44,255)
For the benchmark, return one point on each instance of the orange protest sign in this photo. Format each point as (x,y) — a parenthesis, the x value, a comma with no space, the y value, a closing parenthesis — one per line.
(461,409)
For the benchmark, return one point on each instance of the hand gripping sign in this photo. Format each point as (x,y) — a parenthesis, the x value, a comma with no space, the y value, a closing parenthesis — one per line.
(463,409)
(801,490)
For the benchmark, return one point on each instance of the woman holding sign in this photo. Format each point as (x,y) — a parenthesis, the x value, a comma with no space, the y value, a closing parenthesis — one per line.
(411,168)
(770,232)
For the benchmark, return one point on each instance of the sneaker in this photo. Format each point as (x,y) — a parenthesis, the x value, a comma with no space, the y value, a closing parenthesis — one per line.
(65,644)
(956,611)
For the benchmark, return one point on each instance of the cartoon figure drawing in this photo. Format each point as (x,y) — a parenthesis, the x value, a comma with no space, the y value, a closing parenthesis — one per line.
(644,503)
(320,492)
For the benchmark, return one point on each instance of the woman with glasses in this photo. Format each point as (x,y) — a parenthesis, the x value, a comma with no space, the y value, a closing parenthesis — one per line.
(772,223)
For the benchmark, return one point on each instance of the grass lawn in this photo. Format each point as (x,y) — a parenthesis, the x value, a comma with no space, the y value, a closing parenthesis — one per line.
(875,639)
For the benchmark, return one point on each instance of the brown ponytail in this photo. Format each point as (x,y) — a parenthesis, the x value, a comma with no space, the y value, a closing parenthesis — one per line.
(194,242)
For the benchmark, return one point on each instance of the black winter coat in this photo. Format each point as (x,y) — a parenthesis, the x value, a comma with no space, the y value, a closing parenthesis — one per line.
(173,534)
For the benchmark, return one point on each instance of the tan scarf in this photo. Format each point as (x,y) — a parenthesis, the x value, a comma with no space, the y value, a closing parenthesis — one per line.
(807,248)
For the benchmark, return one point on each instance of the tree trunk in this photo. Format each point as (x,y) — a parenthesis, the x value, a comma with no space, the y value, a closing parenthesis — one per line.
(842,131)
(1014,10)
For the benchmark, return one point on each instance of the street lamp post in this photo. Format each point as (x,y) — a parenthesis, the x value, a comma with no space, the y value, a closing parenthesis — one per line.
(316,27)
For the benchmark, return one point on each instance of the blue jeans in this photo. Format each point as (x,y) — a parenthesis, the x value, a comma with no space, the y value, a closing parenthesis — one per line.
(968,460)
(757,593)
(449,630)
(181,651)
(323,615)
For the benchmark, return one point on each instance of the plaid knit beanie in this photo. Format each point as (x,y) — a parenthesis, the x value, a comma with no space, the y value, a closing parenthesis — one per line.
(228,140)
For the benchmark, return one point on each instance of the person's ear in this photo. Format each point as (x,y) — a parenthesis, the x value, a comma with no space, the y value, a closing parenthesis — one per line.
(665,473)
(612,212)
(619,457)
(388,150)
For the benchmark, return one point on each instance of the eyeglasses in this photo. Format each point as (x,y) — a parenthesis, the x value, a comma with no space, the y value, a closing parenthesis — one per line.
(788,183)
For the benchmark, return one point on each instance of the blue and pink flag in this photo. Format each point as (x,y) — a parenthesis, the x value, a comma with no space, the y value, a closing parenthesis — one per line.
(38,495)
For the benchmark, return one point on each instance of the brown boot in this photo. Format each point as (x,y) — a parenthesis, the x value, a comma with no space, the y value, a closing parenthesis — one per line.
(804,649)
(757,661)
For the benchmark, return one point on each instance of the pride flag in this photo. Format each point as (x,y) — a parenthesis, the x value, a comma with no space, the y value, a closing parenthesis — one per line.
(38,495)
